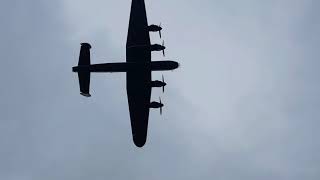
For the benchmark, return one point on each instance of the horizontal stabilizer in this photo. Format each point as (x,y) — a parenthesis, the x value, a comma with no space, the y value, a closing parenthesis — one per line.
(84,77)
(84,81)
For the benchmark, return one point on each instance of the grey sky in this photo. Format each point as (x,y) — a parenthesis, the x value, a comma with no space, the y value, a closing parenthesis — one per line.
(244,104)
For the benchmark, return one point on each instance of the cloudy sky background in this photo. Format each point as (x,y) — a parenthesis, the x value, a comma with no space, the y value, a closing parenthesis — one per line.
(245,103)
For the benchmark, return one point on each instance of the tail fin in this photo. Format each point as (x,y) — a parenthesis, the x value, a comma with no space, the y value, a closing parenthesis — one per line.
(84,77)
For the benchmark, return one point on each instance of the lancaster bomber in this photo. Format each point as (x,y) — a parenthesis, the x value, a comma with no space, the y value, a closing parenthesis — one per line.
(138,67)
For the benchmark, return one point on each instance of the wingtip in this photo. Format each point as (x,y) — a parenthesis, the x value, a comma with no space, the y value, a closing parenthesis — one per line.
(139,142)
(86,45)
(85,94)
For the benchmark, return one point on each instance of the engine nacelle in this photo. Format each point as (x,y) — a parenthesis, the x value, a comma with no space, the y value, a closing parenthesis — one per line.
(158,84)
(155,105)
(154,28)
(157,47)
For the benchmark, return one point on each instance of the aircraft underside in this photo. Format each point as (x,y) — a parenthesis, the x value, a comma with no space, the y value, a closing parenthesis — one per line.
(138,68)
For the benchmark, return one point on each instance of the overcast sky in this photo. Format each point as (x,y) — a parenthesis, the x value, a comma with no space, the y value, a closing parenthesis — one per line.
(245,103)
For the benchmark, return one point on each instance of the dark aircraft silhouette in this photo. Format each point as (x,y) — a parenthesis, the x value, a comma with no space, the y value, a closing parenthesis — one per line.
(138,67)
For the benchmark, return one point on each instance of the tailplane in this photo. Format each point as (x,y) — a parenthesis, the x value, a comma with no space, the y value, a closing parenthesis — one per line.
(84,77)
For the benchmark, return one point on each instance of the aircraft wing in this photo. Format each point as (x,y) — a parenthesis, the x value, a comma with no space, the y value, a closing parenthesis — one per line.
(139,94)
(138,79)
(138,34)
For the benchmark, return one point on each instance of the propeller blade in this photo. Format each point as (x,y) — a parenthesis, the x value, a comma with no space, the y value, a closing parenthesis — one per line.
(161,106)
(163,83)
(160,29)
(164,54)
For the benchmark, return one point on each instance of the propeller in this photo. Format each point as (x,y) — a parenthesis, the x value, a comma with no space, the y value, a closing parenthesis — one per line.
(160,30)
(161,106)
(163,83)
(164,54)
